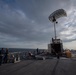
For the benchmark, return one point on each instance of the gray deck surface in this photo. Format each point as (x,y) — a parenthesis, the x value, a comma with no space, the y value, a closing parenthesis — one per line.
(40,67)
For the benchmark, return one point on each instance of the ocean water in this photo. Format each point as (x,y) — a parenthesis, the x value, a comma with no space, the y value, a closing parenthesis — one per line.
(22,49)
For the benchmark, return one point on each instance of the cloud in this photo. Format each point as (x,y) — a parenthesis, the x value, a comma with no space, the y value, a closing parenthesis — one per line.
(25,23)
(16,24)
(68,33)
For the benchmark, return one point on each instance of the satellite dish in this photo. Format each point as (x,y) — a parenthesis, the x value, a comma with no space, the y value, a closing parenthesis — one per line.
(57,14)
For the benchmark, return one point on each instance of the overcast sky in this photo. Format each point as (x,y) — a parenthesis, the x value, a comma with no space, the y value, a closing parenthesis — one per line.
(25,23)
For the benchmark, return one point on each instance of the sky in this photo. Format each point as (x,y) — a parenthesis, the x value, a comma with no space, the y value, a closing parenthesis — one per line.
(25,23)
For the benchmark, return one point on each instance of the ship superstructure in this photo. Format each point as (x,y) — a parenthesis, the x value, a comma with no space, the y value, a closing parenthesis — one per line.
(56,46)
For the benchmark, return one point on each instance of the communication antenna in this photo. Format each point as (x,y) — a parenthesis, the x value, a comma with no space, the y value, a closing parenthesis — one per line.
(55,15)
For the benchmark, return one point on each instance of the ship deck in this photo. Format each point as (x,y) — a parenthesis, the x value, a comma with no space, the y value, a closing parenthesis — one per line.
(40,67)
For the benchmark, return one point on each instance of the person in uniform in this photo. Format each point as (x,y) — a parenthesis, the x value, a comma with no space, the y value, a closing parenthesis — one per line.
(6,56)
(2,55)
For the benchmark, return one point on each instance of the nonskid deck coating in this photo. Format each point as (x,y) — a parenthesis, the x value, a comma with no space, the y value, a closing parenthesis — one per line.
(40,67)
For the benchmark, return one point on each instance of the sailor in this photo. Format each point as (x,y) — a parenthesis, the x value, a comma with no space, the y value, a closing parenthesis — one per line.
(0,57)
(2,53)
(58,55)
(6,56)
